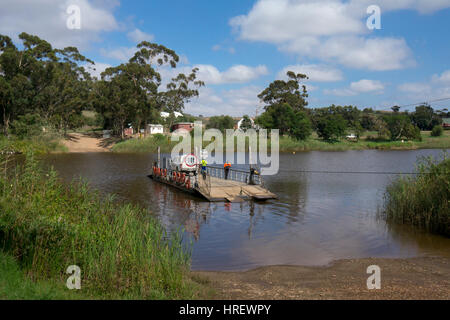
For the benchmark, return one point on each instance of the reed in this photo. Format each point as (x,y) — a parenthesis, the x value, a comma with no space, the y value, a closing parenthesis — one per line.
(122,251)
(424,200)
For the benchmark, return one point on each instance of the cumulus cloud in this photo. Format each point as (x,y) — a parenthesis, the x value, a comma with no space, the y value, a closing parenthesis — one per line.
(122,54)
(138,36)
(97,69)
(235,102)
(358,87)
(316,73)
(213,76)
(48,20)
(332,30)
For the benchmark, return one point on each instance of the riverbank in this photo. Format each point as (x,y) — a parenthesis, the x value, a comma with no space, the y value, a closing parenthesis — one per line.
(287,144)
(418,278)
(123,252)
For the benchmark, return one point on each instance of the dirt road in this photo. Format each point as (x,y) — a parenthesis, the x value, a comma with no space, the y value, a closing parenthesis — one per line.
(79,142)
(419,278)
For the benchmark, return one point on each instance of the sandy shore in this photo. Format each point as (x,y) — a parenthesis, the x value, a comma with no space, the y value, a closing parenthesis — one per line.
(418,278)
(79,142)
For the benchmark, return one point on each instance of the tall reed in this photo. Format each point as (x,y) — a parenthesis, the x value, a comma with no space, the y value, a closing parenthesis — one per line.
(122,251)
(423,200)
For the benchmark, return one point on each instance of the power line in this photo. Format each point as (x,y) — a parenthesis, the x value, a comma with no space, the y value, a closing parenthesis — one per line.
(350,172)
(424,102)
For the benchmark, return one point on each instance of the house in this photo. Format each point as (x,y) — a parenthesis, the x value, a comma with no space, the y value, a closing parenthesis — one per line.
(446,123)
(155,128)
(188,126)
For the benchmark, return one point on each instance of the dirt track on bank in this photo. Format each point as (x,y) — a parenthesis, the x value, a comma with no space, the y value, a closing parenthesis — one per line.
(81,143)
(418,278)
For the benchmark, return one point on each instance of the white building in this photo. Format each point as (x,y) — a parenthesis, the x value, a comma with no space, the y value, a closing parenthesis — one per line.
(155,128)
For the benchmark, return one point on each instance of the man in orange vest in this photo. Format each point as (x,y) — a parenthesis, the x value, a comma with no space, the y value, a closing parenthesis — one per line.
(227,167)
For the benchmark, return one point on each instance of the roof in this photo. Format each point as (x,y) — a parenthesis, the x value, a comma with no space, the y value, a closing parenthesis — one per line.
(446,120)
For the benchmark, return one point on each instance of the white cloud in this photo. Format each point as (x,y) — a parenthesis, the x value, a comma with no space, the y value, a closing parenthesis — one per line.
(331,30)
(213,76)
(365,85)
(317,73)
(438,87)
(138,36)
(48,20)
(97,69)
(235,102)
(122,54)
(358,87)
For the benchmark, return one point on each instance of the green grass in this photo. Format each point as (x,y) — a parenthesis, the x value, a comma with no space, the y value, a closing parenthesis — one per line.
(15,285)
(122,251)
(287,144)
(39,145)
(424,200)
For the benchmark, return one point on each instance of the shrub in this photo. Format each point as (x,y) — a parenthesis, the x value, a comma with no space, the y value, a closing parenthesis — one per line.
(422,201)
(437,131)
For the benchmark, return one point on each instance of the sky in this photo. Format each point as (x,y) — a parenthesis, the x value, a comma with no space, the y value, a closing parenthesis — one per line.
(240,47)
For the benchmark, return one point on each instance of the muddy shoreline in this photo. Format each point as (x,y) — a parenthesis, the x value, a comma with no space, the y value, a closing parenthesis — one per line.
(416,278)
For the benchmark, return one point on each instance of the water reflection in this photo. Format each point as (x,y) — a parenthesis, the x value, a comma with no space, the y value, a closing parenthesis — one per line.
(317,218)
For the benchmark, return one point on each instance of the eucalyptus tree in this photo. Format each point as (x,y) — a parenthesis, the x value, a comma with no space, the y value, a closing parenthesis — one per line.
(180,91)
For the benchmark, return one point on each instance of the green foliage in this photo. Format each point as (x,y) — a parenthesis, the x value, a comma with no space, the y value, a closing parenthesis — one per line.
(422,201)
(437,131)
(288,92)
(283,117)
(28,125)
(425,118)
(246,123)
(122,251)
(400,126)
(331,127)
(221,123)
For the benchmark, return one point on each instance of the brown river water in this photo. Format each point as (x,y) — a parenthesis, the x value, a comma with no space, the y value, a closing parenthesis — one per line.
(318,218)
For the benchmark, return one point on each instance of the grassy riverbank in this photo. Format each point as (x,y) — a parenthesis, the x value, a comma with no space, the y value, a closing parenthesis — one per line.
(121,250)
(39,145)
(287,144)
(422,201)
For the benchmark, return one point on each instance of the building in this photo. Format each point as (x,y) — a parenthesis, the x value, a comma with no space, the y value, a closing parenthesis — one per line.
(446,123)
(188,126)
(155,128)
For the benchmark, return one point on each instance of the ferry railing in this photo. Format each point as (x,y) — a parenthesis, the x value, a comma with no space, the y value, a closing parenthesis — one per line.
(234,175)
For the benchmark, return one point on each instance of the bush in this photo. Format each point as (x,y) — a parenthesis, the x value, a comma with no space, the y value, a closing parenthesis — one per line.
(331,127)
(27,126)
(422,201)
(437,131)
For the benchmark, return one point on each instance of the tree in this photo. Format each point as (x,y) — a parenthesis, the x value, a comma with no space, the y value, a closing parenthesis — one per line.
(280,92)
(400,126)
(331,127)
(246,123)
(221,123)
(180,91)
(284,118)
(395,109)
(425,118)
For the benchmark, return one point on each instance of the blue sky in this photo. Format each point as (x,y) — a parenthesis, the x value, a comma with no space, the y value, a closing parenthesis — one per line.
(241,46)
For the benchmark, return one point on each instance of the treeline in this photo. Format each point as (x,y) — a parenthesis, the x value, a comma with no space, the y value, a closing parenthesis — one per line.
(285,109)
(43,88)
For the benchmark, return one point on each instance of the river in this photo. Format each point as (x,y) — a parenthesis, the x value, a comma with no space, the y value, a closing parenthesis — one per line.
(318,218)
